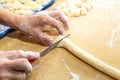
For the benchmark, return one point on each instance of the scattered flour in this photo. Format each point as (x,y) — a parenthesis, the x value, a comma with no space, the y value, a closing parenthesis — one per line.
(73,75)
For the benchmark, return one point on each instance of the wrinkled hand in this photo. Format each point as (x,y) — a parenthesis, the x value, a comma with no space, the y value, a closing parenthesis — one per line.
(14,64)
(33,24)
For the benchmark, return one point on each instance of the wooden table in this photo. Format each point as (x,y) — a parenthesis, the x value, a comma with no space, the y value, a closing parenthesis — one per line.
(98,32)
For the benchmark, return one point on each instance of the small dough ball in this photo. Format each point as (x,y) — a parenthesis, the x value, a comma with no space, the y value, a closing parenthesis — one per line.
(8,5)
(90,4)
(83,11)
(63,6)
(20,12)
(84,0)
(71,12)
(66,11)
(78,4)
(88,7)
(42,2)
(14,9)
(77,12)
(77,7)
(68,3)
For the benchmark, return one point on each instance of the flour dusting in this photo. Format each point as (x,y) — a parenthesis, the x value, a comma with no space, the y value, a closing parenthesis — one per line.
(110,42)
(73,75)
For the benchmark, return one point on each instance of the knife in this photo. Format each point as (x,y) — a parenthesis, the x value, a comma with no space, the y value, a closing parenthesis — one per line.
(49,48)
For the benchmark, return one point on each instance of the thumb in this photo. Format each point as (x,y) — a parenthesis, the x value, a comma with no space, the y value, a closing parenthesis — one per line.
(16,54)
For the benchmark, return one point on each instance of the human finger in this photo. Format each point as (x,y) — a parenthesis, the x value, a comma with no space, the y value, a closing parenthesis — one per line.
(43,38)
(60,16)
(15,54)
(17,75)
(22,65)
(64,20)
(12,75)
(54,23)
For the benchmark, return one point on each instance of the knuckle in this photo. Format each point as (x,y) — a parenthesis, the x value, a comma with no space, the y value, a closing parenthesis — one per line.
(58,13)
(43,17)
(3,76)
(21,62)
(21,76)
(27,65)
(24,76)
(13,54)
(20,53)
(24,61)
(4,63)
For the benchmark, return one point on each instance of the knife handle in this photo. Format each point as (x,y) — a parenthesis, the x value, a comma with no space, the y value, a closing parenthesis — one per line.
(32,60)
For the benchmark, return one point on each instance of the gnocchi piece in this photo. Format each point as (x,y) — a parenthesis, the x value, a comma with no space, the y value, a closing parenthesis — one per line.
(22,6)
(78,4)
(77,12)
(71,13)
(83,11)
(42,2)
(77,7)
(84,0)
(88,7)
(66,11)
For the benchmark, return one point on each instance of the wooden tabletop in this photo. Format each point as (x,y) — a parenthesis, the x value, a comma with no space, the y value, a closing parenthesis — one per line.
(98,32)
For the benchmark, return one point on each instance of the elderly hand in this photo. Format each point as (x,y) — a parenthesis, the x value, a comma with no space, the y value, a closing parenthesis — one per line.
(33,24)
(14,65)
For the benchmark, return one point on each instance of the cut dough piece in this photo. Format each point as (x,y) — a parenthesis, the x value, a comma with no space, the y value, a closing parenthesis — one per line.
(78,4)
(77,12)
(71,12)
(84,0)
(74,7)
(83,11)
(21,6)
(66,11)
(88,58)
(88,7)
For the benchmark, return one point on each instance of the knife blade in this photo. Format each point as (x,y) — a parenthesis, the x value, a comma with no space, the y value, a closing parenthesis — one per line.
(49,48)
(52,46)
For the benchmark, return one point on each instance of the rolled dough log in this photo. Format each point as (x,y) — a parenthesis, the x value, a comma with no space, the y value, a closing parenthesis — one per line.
(90,59)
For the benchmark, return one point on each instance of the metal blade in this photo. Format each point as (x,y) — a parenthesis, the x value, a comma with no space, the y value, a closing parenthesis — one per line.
(52,46)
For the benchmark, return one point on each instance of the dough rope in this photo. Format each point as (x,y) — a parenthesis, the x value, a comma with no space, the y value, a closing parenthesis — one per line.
(75,8)
(90,59)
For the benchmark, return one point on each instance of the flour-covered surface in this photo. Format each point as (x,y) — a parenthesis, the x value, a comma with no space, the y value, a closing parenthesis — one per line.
(97,32)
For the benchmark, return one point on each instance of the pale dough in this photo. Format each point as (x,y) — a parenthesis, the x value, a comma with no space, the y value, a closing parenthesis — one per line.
(75,8)
(23,6)
(90,59)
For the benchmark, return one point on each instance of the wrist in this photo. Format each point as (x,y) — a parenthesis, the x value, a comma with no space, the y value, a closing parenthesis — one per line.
(8,18)
(16,21)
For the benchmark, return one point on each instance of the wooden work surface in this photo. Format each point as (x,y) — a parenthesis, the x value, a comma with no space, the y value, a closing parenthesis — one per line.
(98,32)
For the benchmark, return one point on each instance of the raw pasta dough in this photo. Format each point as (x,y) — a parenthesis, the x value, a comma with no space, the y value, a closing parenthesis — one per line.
(90,59)
(23,6)
(76,8)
